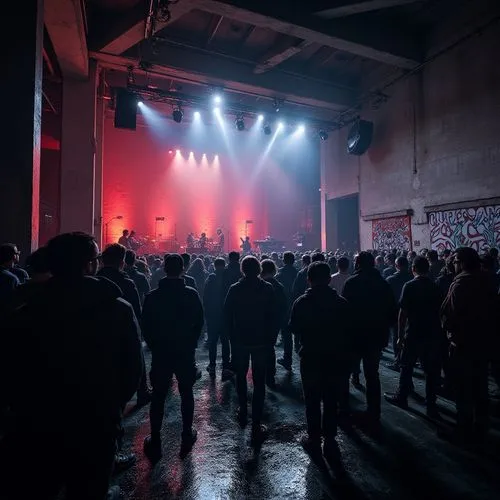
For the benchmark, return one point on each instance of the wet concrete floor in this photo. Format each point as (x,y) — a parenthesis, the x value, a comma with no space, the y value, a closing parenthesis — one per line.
(406,460)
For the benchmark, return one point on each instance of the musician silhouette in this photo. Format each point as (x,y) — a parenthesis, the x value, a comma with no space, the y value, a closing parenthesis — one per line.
(246,246)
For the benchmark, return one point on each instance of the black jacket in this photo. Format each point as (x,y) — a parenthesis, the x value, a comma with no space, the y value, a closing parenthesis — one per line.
(125,284)
(78,357)
(172,319)
(397,282)
(213,300)
(232,274)
(300,284)
(322,321)
(250,313)
(140,280)
(373,307)
(281,304)
(286,276)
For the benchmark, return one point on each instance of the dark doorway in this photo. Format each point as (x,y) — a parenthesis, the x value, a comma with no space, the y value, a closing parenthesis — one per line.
(342,223)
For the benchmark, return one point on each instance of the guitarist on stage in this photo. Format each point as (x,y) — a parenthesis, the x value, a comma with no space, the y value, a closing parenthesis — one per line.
(246,246)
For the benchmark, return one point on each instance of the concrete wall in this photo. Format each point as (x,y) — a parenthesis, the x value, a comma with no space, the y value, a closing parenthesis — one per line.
(436,140)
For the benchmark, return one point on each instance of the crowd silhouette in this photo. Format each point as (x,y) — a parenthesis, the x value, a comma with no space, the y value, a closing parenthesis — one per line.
(76,324)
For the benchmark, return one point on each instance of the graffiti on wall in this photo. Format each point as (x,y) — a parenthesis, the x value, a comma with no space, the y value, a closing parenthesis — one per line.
(478,228)
(391,233)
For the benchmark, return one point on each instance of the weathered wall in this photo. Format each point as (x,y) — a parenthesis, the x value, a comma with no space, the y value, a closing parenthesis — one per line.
(436,140)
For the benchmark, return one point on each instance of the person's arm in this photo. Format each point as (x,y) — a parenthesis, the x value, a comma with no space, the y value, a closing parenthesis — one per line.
(197,312)
(135,300)
(147,321)
(130,351)
(228,313)
(403,316)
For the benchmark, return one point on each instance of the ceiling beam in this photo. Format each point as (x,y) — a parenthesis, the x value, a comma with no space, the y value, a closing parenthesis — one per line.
(378,41)
(206,69)
(270,61)
(214,27)
(130,30)
(65,24)
(344,8)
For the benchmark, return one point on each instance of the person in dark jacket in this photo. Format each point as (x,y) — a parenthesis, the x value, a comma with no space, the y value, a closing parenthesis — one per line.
(469,315)
(391,266)
(172,320)
(300,283)
(397,281)
(113,259)
(321,320)
(81,363)
(250,321)
(213,304)
(232,273)
(8,280)
(140,280)
(419,336)
(189,280)
(374,311)
(268,274)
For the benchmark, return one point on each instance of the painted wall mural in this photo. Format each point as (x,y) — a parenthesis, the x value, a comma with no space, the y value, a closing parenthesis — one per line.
(394,232)
(478,228)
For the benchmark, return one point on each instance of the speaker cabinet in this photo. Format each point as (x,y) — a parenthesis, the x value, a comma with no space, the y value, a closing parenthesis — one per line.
(360,137)
(125,109)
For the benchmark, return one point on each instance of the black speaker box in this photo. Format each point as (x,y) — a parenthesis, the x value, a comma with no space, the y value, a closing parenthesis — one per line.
(125,109)
(360,137)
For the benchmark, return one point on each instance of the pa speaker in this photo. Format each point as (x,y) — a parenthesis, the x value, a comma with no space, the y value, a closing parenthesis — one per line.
(360,137)
(125,109)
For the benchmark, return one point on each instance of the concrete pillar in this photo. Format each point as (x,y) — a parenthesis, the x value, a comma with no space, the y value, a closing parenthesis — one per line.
(21,134)
(78,147)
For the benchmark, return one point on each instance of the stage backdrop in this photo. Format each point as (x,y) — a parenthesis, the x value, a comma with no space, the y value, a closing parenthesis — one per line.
(214,181)
(391,233)
(478,228)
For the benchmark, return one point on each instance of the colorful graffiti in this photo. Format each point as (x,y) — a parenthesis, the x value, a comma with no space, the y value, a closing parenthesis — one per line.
(391,233)
(478,228)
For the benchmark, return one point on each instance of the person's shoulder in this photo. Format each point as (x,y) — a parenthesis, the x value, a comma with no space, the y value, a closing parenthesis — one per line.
(8,277)
(191,292)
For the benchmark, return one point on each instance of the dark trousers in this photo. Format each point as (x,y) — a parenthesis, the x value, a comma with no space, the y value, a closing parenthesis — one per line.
(395,348)
(81,463)
(143,388)
(470,375)
(259,357)
(286,335)
(184,369)
(215,333)
(428,351)
(371,359)
(322,386)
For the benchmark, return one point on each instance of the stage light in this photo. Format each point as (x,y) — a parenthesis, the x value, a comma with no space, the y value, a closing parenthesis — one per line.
(216,110)
(177,115)
(191,153)
(197,114)
(301,129)
(240,123)
(140,103)
(267,129)
(217,99)
(280,125)
(170,151)
(260,118)
(177,151)
(323,135)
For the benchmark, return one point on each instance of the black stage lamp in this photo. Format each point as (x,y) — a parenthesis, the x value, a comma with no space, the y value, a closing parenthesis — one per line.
(240,123)
(267,129)
(323,135)
(177,115)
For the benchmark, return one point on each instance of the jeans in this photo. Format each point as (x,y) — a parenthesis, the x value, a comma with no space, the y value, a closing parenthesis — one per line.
(241,362)
(184,370)
(321,384)
(371,359)
(428,351)
(470,374)
(214,334)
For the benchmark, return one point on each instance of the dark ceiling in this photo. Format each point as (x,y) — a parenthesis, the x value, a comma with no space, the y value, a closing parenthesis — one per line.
(313,53)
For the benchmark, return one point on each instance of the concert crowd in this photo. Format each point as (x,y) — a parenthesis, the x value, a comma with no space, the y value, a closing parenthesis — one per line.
(77,326)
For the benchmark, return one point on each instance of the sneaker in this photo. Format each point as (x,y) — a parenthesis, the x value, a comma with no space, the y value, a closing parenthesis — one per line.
(396,399)
(152,449)
(287,365)
(114,493)
(123,461)
(311,446)
(187,443)
(227,374)
(259,434)
(211,370)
